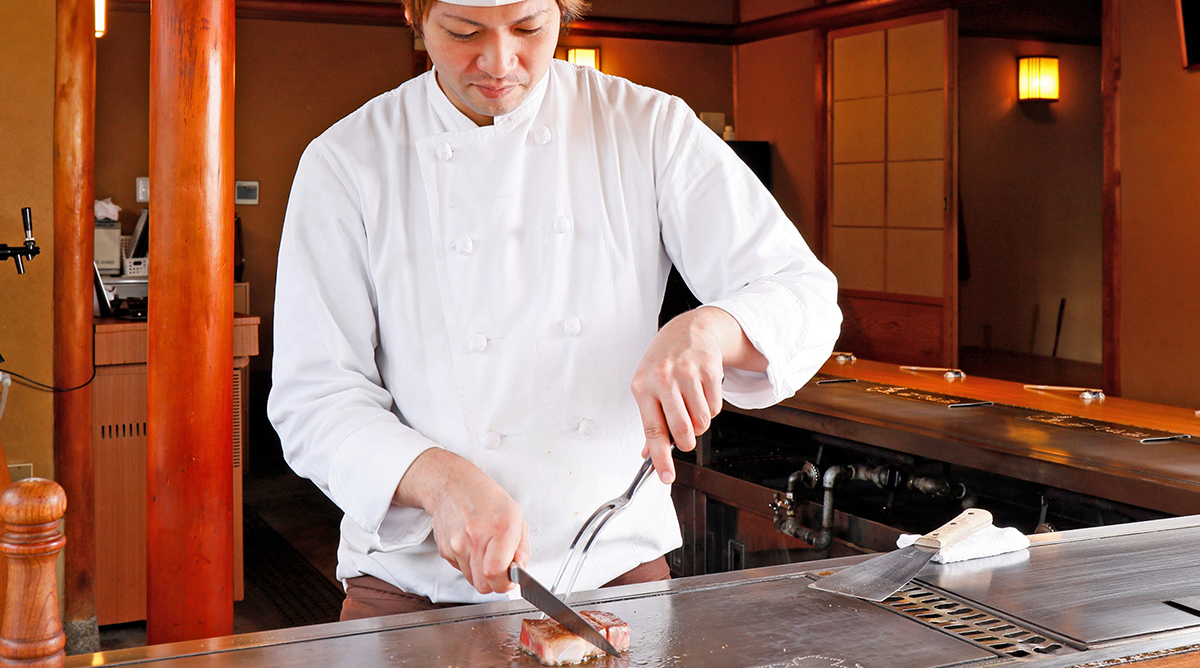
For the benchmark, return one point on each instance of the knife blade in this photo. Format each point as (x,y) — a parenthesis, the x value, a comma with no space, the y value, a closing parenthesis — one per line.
(878,578)
(535,593)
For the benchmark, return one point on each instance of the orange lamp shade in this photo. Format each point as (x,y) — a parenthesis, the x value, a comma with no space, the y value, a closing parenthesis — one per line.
(101,19)
(1037,78)
(584,57)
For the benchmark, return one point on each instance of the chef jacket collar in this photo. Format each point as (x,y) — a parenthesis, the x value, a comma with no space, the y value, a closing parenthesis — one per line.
(456,120)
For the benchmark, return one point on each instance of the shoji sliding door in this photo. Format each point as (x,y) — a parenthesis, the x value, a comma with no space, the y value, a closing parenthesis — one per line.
(891,228)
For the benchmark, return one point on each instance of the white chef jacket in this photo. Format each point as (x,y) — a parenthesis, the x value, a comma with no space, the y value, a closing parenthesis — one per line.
(490,290)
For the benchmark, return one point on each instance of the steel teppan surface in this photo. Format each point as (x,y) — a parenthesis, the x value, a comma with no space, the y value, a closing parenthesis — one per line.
(752,619)
(768,618)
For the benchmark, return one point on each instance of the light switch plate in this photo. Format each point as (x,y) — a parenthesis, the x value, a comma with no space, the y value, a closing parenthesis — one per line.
(143,188)
(245,192)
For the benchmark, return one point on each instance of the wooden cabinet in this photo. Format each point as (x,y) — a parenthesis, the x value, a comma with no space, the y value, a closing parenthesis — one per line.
(119,429)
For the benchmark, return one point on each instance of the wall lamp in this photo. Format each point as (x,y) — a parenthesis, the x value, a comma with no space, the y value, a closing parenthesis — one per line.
(1037,78)
(101,19)
(584,57)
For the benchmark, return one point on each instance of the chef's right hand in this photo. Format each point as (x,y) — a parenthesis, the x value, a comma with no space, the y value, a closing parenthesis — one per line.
(477,526)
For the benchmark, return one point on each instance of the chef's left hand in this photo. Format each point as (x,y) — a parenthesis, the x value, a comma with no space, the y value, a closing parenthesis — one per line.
(677,384)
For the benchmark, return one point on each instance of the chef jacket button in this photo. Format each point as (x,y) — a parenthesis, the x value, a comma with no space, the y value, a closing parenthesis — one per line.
(491,440)
(562,225)
(444,152)
(463,245)
(477,343)
(542,136)
(572,326)
(586,427)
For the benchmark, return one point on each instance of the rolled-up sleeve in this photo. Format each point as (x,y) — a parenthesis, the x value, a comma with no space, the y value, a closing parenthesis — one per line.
(335,419)
(737,251)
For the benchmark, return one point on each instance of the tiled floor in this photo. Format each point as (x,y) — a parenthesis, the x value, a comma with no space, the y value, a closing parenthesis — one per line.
(298,511)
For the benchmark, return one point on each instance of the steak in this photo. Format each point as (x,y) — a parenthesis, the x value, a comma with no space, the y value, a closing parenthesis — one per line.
(553,645)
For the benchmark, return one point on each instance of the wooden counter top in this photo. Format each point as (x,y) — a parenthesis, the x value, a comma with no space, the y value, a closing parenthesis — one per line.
(1088,459)
(1109,409)
(126,341)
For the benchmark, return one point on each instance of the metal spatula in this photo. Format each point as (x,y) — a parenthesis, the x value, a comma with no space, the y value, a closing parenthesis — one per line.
(878,578)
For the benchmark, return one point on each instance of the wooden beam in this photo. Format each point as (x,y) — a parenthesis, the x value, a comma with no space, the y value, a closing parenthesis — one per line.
(670,31)
(312,11)
(74,188)
(839,15)
(823,17)
(1110,206)
(189,388)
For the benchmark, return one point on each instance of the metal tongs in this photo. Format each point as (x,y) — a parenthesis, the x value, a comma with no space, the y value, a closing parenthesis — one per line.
(591,528)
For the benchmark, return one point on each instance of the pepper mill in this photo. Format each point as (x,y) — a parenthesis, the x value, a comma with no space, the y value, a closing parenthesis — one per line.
(31,634)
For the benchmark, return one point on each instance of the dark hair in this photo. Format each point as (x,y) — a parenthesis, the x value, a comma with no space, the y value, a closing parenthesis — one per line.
(418,11)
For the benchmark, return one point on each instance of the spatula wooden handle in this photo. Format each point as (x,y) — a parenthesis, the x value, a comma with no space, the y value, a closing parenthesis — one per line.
(967,523)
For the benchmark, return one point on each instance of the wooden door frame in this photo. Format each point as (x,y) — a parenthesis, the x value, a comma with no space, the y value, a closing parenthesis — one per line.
(1110,69)
(950,319)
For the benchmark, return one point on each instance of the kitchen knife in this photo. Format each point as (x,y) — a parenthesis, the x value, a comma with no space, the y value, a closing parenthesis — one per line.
(878,578)
(535,593)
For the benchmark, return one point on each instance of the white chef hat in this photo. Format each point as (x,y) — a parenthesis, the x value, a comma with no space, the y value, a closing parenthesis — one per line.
(481,3)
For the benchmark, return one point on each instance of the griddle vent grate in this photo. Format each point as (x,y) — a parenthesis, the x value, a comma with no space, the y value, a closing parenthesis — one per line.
(970,623)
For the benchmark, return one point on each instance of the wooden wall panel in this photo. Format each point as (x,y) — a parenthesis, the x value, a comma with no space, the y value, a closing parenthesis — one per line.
(120,438)
(777,104)
(27,68)
(1151,181)
(891,331)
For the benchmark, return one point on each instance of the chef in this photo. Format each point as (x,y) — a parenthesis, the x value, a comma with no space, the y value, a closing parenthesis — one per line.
(467,358)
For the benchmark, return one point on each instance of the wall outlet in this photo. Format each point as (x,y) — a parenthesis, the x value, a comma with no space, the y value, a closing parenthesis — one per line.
(20,471)
(143,188)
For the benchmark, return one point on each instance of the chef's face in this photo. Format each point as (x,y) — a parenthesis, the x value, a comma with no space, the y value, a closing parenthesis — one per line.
(489,58)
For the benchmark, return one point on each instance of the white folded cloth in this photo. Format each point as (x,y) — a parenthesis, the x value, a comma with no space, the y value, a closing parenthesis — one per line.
(987,542)
(106,210)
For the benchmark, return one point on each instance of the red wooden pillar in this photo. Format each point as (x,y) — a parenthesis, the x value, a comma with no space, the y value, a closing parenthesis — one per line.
(189,392)
(74,185)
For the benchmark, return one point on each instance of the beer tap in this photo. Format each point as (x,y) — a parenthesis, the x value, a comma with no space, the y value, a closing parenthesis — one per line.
(21,253)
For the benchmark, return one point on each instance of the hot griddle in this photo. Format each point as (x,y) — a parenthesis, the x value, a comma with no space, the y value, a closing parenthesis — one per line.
(1074,597)
(1091,590)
